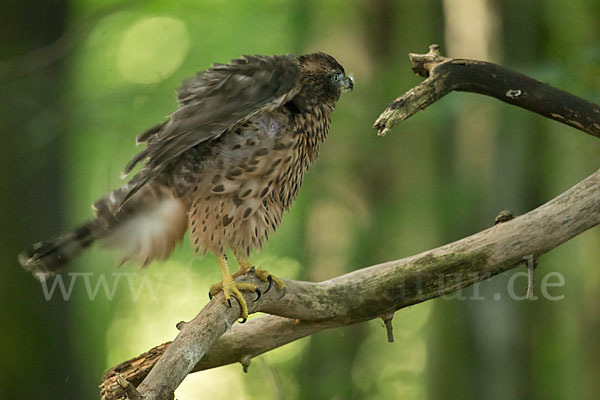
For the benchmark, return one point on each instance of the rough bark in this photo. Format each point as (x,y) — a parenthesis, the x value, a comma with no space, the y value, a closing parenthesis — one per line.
(379,290)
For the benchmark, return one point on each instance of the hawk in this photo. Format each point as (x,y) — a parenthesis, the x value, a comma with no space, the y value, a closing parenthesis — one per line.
(225,165)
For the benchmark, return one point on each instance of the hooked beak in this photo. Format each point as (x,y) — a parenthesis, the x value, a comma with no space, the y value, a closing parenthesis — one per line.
(348,84)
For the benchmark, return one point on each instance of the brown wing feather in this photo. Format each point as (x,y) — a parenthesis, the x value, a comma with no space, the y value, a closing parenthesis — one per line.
(214,102)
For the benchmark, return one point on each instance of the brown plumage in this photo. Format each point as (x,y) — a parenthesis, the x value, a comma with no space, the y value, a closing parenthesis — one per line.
(225,165)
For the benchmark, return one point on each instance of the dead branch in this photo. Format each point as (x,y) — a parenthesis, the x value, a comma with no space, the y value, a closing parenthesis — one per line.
(445,75)
(377,291)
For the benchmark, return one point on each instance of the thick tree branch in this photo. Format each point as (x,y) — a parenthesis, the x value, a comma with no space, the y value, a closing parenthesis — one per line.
(445,75)
(376,291)
(239,344)
(361,295)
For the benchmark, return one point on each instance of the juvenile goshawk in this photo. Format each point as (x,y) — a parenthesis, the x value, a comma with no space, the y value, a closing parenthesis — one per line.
(225,166)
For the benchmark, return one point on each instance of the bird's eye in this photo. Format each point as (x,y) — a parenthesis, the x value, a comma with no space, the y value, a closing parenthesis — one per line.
(338,76)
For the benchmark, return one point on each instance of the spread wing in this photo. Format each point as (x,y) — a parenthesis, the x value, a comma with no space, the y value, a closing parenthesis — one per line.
(212,103)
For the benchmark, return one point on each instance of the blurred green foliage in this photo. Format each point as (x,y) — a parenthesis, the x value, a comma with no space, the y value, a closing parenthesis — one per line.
(68,127)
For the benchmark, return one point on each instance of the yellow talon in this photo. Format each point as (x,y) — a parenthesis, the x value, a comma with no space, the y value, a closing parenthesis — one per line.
(230,287)
(262,274)
(233,288)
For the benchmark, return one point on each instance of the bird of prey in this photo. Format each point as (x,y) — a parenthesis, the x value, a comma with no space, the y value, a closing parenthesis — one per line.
(225,165)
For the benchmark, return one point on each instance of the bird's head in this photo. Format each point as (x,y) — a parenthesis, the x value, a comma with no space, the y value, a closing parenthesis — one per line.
(323,78)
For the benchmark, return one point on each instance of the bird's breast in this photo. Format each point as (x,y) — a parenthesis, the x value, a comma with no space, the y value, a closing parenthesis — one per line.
(240,195)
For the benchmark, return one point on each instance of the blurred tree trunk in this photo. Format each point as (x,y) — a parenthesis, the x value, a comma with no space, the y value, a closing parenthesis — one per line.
(35,333)
(462,362)
(508,166)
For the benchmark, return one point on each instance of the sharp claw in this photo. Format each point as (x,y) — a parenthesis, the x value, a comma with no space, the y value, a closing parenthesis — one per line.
(243,320)
(258,294)
(229,302)
(210,296)
(270,279)
(284,290)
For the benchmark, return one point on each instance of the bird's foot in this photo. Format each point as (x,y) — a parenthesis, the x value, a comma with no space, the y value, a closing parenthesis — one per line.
(231,288)
(264,275)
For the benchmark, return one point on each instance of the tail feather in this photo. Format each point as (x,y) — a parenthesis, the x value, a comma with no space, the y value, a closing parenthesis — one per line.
(46,258)
(147,227)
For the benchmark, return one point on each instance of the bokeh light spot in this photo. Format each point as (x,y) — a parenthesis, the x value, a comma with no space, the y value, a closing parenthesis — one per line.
(152,49)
